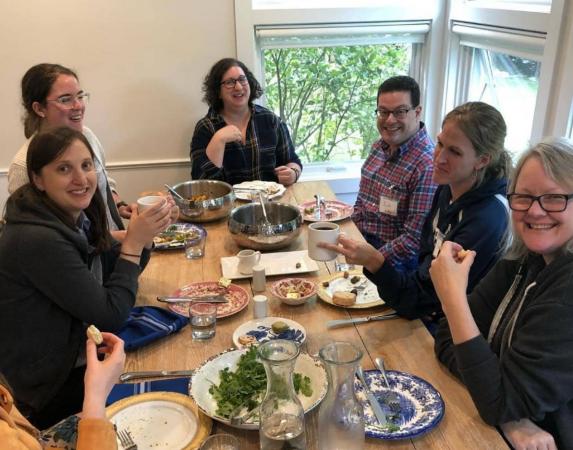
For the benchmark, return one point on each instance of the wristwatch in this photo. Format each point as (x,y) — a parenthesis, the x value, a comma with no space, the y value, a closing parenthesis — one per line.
(296,173)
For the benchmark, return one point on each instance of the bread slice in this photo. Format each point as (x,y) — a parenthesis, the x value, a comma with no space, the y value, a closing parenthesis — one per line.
(344,298)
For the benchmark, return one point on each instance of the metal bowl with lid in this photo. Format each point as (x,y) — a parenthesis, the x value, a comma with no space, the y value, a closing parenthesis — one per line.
(247,226)
(205,200)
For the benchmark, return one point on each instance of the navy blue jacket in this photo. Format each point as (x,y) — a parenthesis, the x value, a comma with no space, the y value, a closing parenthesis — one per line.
(477,221)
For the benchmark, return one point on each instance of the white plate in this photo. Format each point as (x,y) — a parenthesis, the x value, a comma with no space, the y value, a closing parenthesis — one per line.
(208,374)
(272,189)
(366,298)
(279,263)
(160,420)
(261,329)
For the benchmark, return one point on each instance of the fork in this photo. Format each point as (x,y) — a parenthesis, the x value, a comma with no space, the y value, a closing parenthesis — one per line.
(126,440)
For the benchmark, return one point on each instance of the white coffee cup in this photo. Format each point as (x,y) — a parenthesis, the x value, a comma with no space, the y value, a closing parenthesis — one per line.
(322,232)
(148,201)
(247,259)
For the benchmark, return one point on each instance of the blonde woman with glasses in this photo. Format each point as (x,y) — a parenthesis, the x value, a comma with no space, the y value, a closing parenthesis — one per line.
(511,340)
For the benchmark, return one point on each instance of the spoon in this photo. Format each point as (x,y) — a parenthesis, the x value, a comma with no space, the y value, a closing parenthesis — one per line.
(379,361)
(267,226)
(174,192)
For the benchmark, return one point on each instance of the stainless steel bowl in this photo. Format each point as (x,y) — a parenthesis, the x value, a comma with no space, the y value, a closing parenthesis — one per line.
(220,200)
(246,225)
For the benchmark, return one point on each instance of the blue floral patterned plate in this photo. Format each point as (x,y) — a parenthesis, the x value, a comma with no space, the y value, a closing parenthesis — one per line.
(260,330)
(417,409)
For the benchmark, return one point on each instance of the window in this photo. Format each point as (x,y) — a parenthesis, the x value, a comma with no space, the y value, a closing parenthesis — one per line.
(509,83)
(322,81)
(502,68)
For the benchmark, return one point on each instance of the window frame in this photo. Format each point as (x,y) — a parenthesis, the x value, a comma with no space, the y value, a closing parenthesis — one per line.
(423,67)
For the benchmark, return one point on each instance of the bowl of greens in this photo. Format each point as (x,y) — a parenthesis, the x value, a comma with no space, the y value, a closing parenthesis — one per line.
(234,381)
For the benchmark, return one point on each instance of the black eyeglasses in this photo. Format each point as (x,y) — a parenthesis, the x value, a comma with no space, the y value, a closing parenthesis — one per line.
(230,83)
(398,113)
(548,202)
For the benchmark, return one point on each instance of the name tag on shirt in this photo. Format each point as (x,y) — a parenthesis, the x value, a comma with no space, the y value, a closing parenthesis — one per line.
(388,206)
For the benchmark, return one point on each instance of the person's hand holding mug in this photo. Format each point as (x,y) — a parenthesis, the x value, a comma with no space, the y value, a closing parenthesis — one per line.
(356,252)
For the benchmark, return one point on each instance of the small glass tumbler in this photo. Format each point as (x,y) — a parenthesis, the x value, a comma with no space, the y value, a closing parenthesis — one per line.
(220,442)
(202,318)
(195,245)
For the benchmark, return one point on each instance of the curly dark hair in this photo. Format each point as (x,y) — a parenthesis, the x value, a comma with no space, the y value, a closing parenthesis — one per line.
(402,83)
(212,83)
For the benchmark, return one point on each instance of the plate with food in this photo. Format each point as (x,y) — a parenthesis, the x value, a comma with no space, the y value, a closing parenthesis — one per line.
(226,382)
(257,331)
(174,236)
(416,407)
(161,420)
(247,190)
(330,211)
(349,289)
(237,297)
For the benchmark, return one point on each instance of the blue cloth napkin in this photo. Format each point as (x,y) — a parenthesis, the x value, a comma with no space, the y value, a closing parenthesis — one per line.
(120,391)
(146,324)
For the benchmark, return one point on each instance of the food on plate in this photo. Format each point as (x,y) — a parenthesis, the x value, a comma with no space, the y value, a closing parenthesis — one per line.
(354,291)
(224,282)
(246,339)
(346,274)
(279,327)
(309,211)
(325,284)
(94,334)
(293,295)
(298,265)
(355,279)
(198,198)
(175,235)
(462,254)
(245,387)
(344,298)
(300,286)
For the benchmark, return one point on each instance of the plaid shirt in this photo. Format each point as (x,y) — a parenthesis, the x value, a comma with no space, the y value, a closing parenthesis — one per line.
(406,177)
(268,145)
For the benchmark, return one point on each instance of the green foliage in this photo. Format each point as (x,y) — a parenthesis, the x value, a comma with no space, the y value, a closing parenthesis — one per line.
(327,95)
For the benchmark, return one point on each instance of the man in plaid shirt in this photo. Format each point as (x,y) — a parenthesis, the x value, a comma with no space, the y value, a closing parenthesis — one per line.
(396,187)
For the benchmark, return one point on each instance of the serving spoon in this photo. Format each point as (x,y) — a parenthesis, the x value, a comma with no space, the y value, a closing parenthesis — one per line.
(174,192)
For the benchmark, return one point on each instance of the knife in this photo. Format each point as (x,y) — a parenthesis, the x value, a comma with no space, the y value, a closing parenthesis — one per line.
(358,320)
(376,408)
(126,376)
(205,298)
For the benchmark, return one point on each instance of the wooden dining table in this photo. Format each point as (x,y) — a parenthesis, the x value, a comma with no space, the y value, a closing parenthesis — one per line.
(406,345)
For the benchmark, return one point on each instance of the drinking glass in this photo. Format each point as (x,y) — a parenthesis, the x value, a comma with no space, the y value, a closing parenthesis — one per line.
(202,317)
(220,442)
(195,245)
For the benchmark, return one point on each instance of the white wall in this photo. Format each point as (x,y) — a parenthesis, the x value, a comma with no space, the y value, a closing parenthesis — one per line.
(143,62)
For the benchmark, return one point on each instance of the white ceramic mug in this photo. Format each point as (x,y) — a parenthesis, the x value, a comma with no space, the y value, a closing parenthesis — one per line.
(148,201)
(247,259)
(322,232)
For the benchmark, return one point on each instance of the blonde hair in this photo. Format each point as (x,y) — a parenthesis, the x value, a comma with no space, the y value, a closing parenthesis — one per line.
(556,156)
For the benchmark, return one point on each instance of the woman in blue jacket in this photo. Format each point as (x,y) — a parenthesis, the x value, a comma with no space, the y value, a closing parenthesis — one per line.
(471,166)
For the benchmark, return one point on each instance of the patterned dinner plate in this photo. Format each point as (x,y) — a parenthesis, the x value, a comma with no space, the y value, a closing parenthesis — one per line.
(237,296)
(333,211)
(173,238)
(262,331)
(419,409)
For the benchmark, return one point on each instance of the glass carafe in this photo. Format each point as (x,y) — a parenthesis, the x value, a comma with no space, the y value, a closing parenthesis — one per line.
(281,413)
(341,417)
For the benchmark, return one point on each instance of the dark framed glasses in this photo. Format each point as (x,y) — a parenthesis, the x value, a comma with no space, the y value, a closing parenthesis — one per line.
(548,202)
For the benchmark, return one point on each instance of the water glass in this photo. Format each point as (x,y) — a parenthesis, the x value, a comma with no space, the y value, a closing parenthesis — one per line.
(195,245)
(202,317)
(220,442)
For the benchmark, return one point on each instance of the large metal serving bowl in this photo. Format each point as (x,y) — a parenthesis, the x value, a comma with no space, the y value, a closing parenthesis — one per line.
(246,225)
(220,200)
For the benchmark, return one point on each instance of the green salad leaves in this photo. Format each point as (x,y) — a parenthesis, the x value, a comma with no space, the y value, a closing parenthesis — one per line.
(245,387)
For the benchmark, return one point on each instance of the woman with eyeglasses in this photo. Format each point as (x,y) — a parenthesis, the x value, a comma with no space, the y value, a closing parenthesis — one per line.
(52,288)
(511,341)
(52,97)
(237,140)
(471,167)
